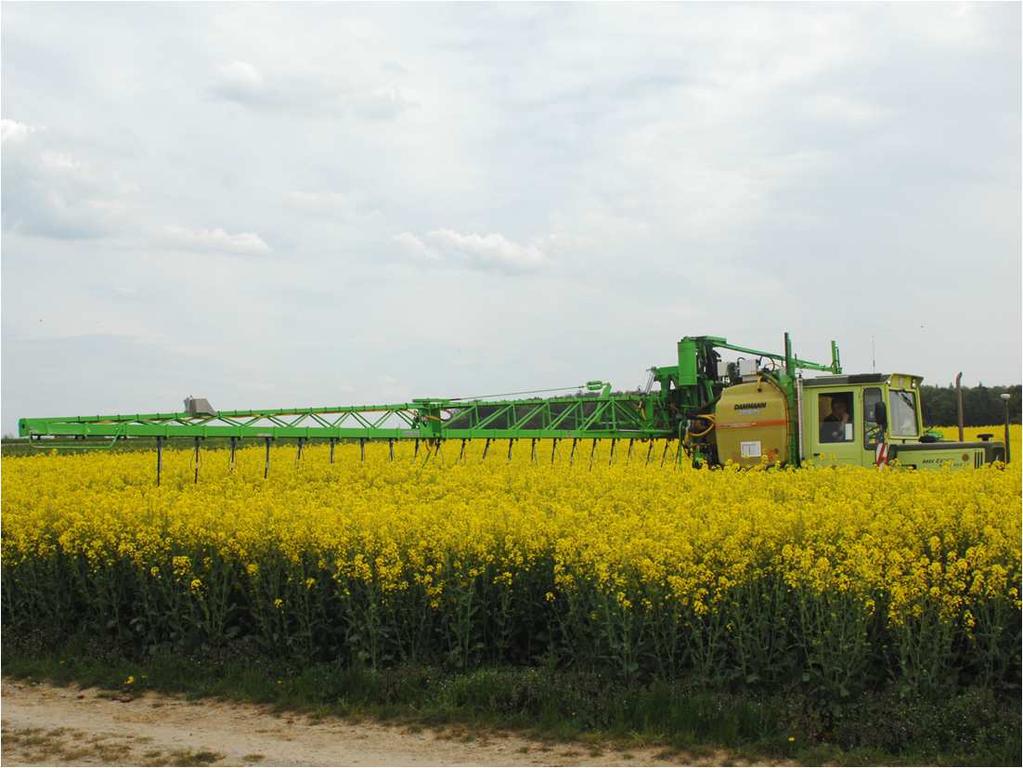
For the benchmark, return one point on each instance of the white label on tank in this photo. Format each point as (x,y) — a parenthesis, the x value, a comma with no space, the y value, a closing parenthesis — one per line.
(848,432)
(750,449)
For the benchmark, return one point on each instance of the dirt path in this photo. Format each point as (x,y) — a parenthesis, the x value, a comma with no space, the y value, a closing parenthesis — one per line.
(42,724)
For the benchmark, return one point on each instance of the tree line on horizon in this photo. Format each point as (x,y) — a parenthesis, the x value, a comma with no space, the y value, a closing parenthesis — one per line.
(982,406)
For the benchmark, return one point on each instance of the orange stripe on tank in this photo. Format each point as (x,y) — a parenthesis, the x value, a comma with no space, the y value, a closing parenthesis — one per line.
(751,424)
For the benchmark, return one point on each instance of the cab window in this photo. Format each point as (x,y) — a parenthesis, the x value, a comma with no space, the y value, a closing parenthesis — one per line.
(835,416)
(903,408)
(871,428)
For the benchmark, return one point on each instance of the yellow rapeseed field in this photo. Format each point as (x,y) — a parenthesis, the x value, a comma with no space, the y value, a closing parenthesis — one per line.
(834,575)
(971,434)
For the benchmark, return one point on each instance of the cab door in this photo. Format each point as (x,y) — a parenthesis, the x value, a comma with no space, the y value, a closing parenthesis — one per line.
(873,432)
(834,426)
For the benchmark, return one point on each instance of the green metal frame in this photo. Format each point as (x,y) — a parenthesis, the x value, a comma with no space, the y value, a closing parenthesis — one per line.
(688,389)
(600,416)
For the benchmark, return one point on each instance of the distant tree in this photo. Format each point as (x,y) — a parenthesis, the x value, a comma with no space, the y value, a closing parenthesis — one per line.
(982,406)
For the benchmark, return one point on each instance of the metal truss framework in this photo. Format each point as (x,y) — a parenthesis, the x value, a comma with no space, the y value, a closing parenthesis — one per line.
(687,391)
(605,415)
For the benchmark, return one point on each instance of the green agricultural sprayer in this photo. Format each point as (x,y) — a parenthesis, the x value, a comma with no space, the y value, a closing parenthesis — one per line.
(752,409)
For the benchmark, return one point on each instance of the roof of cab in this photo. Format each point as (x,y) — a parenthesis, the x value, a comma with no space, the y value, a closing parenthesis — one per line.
(856,378)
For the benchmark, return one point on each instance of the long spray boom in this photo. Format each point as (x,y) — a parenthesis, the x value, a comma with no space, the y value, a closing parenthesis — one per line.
(687,389)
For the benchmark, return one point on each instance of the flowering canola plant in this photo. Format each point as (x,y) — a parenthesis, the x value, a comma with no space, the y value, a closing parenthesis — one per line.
(836,577)
(972,435)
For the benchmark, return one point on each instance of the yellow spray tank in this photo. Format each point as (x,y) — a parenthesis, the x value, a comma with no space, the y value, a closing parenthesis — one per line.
(752,423)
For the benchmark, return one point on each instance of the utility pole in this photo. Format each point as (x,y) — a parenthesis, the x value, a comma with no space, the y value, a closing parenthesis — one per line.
(1005,401)
(959,403)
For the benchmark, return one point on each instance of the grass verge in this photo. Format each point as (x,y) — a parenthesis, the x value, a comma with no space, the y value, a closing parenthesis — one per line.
(971,727)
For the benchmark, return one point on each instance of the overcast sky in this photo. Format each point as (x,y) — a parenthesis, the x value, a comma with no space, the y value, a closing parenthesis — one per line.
(277,205)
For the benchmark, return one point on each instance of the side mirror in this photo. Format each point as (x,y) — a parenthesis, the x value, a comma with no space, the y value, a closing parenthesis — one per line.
(881,414)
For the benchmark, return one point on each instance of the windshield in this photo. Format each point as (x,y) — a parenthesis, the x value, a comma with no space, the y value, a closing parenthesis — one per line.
(903,416)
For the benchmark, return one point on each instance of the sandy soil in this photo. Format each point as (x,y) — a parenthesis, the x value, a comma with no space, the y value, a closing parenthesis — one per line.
(46,725)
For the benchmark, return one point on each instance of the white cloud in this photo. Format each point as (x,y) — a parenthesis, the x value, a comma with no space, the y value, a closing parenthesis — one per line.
(217,239)
(12,130)
(242,75)
(50,192)
(491,252)
(240,81)
(313,91)
(417,249)
(60,162)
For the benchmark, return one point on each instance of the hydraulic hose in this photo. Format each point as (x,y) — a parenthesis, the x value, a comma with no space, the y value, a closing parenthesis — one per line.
(709,417)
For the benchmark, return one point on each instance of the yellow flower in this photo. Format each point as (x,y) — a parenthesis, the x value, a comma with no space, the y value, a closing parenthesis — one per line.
(603,543)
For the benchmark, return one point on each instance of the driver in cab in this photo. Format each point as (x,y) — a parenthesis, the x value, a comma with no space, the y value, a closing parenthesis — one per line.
(833,428)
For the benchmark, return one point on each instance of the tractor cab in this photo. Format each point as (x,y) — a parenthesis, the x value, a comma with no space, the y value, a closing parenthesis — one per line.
(843,419)
(843,416)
